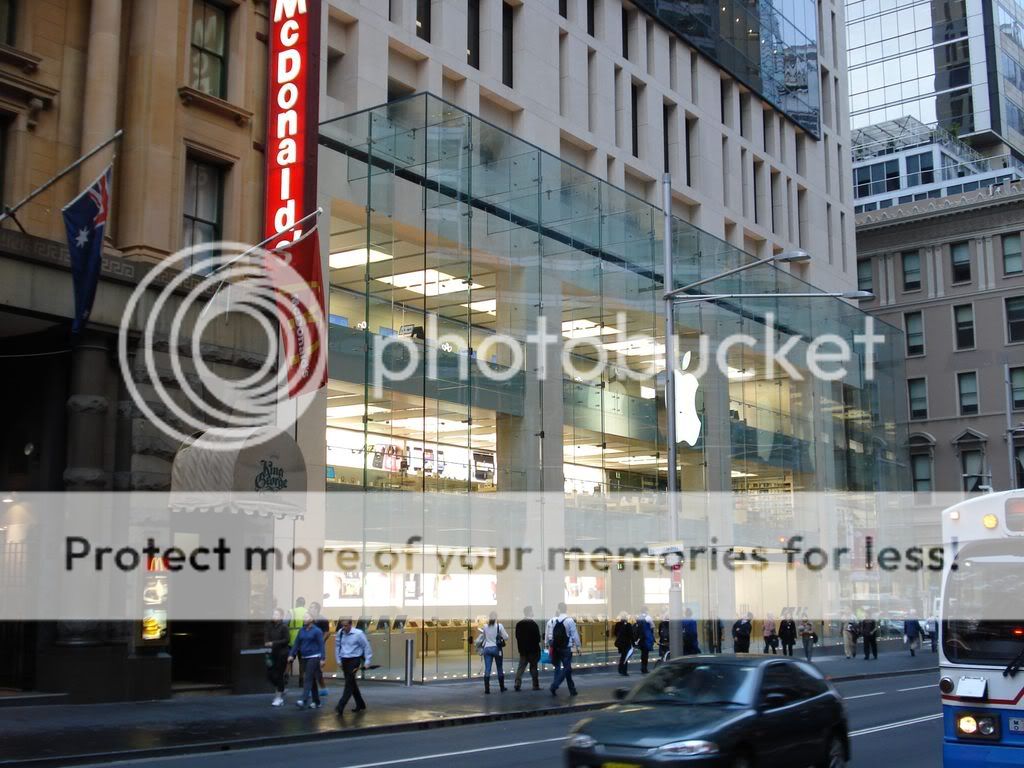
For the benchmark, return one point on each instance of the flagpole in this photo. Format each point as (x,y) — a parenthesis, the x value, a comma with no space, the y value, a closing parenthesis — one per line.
(8,212)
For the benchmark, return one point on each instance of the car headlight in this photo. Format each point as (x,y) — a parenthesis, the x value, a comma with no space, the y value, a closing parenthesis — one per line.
(581,741)
(977,725)
(692,747)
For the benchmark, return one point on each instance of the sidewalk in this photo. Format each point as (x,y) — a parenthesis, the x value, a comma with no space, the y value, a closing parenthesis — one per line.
(63,734)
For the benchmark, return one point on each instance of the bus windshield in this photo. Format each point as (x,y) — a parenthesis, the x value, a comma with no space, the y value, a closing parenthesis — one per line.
(983,610)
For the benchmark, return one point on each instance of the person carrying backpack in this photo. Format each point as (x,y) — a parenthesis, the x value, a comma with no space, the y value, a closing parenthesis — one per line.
(562,637)
(644,637)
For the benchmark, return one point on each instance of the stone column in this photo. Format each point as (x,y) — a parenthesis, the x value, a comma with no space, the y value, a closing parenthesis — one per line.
(87,409)
(102,85)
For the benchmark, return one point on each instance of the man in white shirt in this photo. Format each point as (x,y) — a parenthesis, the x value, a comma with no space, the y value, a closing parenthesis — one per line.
(561,637)
(351,651)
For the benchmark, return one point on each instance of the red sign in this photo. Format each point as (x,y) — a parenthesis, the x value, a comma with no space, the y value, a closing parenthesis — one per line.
(291,191)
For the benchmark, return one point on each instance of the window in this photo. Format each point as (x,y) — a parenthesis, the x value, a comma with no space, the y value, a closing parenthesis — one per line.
(971,467)
(967,392)
(914,324)
(7,8)
(209,48)
(473,34)
(960,253)
(963,322)
(507,22)
(1012,264)
(591,14)
(1015,319)
(911,271)
(1017,388)
(563,8)
(920,169)
(918,391)
(921,470)
(634,95)
(1018,464)
(876,179)
(204,192)
(865,278)
(625,33)
(423,19)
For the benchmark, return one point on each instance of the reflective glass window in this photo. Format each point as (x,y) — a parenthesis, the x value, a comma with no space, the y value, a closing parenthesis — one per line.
(967,393)
(1012,255)
(914,324)
(1015,318)
(917,390)
(963,320)
(960,255)
(911,271)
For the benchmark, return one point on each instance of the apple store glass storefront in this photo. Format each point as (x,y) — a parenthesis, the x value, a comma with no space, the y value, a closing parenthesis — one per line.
(496,324)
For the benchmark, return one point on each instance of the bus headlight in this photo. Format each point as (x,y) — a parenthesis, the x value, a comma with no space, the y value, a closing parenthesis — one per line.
(966,725)
(990,521)
(977,725)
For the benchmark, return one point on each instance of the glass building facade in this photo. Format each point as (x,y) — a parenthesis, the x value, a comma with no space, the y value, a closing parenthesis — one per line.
(448,234)
(772,48)
(1009,25)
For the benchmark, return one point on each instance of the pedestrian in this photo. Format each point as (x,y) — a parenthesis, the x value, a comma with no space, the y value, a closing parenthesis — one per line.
(276,642)
(528,644)
(933,633)
(645,637)
(770,634)
(869,631)
(295,620)
(808,635)
(851,631)
(664,638)
(912,633)
(351,650)
(741,630)
(622,631)
(561,637)
(324,625)
(691,640)
(719,634)
(787,633)
(309,648)
(491,644)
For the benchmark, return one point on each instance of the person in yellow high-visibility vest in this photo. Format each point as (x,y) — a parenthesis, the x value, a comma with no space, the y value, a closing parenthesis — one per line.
(295,620)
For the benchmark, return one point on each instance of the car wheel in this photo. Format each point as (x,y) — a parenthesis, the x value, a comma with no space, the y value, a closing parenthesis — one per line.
(836,755)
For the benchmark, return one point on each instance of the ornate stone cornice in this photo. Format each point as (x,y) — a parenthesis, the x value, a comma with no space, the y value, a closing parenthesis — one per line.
(921,210)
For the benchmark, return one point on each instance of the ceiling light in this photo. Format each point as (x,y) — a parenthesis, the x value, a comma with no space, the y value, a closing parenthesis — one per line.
(8,499)
(350,411)
(648,393)
(356,257)
(736,473)
(490,306)
(429,282)
(644,345)
(580,451)
(431,424)
(740,373)
(585,329)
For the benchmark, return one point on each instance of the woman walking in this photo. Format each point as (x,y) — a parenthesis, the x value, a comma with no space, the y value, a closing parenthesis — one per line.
(491,644)
(623,633)
(787,633)
(808,635)
(770,634)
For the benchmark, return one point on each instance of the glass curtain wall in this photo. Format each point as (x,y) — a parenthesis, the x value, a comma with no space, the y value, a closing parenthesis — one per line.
(454,248)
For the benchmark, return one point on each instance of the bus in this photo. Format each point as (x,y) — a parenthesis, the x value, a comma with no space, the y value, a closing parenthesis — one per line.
(982,632)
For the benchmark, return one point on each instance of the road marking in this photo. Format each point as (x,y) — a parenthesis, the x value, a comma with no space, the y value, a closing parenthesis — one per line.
(455,754)
(916,688)
(900,724)
(864,696)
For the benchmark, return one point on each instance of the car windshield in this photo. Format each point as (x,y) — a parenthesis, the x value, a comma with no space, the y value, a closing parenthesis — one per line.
(983,602)
(694,683)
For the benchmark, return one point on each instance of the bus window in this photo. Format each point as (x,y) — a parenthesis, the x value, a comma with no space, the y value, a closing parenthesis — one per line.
(984,603)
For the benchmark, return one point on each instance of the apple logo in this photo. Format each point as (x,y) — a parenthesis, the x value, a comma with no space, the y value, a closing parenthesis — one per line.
(687,421)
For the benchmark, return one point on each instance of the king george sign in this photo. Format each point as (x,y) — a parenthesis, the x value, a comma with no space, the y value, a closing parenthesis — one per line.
(293,78)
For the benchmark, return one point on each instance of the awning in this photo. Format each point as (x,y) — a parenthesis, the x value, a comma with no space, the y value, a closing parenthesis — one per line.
(262,473)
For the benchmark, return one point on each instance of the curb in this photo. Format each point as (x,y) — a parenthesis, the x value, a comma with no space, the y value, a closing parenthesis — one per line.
(373,730)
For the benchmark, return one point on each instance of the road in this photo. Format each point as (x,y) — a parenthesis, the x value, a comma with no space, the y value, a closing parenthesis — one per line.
(893,721)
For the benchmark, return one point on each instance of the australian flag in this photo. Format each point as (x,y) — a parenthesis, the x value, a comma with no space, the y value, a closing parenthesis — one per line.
(85,218)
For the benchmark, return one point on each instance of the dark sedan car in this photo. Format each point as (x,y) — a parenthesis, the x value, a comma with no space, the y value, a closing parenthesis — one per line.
(733,711)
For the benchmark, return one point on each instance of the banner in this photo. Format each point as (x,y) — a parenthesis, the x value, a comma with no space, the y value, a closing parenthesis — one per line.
(293,76)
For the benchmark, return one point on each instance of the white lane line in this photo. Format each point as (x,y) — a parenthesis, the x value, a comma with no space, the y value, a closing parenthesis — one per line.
(863,696)
(916,688)
(900,724)
(455,754)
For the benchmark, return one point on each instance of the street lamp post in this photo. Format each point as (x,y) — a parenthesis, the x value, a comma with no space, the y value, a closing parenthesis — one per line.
(683,295)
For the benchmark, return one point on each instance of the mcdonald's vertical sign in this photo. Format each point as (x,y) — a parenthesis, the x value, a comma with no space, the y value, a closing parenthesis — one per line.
(293,78)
